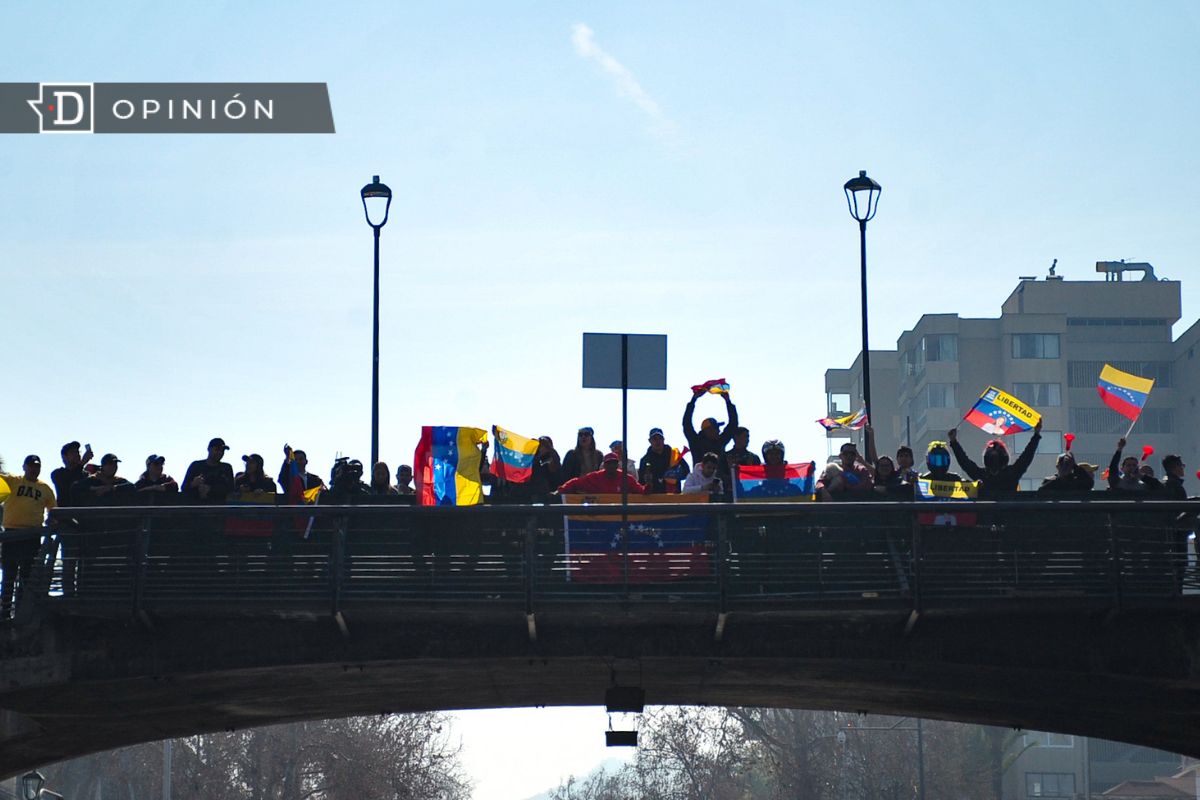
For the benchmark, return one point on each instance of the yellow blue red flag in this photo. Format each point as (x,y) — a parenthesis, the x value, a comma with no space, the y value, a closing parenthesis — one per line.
(1123,392)
(514,455)
(999,413)
(446,466)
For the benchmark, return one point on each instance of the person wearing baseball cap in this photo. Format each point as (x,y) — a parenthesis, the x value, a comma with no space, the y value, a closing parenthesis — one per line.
(710,439)
(105,487)
(154,485)
(25,508)
(71,472)
(655,465)
(606,480)
(209,480)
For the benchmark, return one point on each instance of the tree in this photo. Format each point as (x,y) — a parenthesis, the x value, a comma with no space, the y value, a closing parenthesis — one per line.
(398,757)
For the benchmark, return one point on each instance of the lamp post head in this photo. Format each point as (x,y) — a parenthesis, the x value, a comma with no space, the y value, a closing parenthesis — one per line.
(31,785)
(377,200)
(862,196)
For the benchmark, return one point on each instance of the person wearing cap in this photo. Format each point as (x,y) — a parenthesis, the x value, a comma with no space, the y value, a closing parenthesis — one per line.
(618,447)
(64,479)
(656,463)
(584,457)
(710,439)
(24,513)
(404,478)
(209,480)
(71,472)
(740,454)
(154,485)
(253,478)
(606,480)
(105,487)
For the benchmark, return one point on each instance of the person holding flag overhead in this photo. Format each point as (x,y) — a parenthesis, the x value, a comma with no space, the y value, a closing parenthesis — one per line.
(710,439)
(998,477)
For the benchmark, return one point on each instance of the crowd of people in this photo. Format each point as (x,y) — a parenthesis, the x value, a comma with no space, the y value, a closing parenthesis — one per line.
(717,451)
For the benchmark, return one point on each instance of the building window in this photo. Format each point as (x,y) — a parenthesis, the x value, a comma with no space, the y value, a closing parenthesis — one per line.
(1039,395)
(1104,420)
(1117,322)
(839,404)
(1085,374)
(941,395)
(1047,739)
(939,347)
(1049,784)
(1035,345)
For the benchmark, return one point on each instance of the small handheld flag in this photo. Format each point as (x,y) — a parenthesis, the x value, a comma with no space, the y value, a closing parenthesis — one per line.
(715,386)
(514,455)
(850,422)
(999,413)
(1147,451)
(1068,438)
(1124,393)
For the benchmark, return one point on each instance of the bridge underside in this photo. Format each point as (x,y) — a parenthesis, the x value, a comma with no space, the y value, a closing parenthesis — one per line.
(1081,669)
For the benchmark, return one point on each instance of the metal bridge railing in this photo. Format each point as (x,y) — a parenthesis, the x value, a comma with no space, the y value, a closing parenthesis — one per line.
(247,559)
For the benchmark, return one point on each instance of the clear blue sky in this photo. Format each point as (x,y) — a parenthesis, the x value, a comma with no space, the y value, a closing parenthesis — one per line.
(676,170)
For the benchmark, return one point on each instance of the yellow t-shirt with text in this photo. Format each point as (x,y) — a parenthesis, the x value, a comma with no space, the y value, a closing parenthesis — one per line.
(27,502)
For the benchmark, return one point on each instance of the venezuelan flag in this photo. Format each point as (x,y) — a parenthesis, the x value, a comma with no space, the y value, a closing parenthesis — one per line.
(514,455)
(851,422)
(1124,393)
(715,386)
(999,413)
(776,482)
(446,466)
(928,489)
(4,490)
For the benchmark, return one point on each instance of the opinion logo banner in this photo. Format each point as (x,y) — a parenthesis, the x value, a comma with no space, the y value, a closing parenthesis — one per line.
(165,108)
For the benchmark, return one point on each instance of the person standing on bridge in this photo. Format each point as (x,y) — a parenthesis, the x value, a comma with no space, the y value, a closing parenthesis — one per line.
(209,481)
(1126,480)
(24,514)
(295,479)
(937,462)
(584,457)
(64,479)
(606,480)
(710,439)
(155,487)
(997,477)
(104,488)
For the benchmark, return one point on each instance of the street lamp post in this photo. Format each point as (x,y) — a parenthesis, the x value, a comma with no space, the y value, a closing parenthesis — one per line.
(376,199)
(862,197)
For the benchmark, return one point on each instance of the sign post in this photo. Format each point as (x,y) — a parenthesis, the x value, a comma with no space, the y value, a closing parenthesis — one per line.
(624,361)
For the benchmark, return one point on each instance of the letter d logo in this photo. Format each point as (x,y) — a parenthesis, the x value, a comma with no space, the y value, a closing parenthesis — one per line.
(64,107)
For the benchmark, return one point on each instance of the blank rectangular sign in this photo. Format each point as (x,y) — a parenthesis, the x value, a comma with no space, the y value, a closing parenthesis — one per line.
(602,361)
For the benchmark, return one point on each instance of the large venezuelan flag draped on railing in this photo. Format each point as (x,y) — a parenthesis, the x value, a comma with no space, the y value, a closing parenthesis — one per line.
(662,547)
(775,482)
(446,466)
(513,455)
(999,413)
(1124,393)
(247,526)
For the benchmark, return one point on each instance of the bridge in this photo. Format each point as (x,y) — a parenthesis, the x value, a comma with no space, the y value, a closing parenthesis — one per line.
(1076,617)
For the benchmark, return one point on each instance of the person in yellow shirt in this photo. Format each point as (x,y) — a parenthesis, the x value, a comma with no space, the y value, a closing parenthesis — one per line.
(24,515)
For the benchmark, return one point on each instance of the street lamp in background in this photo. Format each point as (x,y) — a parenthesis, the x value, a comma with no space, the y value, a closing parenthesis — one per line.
(377,199)
(862,197)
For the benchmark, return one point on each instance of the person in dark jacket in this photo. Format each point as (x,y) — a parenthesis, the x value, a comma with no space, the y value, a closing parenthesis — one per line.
(1124,478)
(254,477)
(1069,478)
(710,439)
(584,457)
(295,489)
(740,454)
(656,463)
(209,480)
(997,475)
(105,488)
(64,479)
(1173,489)
(154,485)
